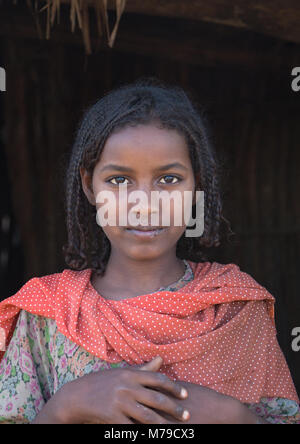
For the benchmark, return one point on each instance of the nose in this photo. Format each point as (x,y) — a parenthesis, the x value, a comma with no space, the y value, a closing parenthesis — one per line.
(142,205)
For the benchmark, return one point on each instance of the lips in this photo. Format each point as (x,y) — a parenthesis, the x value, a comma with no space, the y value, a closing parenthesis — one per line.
(145,232)
(142,228)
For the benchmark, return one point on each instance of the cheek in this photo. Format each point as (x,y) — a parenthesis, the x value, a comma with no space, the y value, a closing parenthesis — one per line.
(112,233)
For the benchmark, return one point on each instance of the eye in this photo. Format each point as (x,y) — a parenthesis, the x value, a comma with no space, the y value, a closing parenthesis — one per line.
(169,179)
(117,178)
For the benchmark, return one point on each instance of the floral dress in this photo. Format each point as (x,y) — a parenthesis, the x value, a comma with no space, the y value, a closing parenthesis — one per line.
(39,360)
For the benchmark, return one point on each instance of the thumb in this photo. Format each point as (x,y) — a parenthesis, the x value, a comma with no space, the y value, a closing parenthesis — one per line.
(152,366)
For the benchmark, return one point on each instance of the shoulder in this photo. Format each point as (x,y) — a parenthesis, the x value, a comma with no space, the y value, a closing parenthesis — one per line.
(228,283)
(41,295)
(51,283)
(225,274)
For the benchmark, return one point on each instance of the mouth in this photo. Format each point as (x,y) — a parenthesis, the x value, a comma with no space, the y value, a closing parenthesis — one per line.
(146,232)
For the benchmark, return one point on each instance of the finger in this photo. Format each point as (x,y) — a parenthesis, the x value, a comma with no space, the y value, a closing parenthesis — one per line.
(164,403)
(121,418)
(161,381)
(144,415)
(125,420)
(154,365)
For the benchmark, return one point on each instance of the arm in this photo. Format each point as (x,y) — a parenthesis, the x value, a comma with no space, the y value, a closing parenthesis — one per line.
(21,395)
(245,416)
(277,410)
(106,397)
(115,396)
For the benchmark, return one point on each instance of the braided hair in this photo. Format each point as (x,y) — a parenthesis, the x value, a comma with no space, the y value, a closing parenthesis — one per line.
(145,101)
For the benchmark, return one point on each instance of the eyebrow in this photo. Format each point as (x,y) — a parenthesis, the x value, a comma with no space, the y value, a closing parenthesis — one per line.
(123,168)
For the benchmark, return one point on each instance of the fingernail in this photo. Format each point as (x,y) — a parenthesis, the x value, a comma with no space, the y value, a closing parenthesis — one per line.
(185,415)
(183,393)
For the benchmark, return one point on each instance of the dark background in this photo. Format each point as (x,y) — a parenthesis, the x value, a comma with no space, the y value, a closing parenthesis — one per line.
(243,80)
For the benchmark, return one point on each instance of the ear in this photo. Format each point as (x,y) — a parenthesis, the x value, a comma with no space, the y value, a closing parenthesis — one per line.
(86,181)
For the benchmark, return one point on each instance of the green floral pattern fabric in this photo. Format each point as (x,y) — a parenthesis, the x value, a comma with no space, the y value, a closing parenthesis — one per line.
(40,360)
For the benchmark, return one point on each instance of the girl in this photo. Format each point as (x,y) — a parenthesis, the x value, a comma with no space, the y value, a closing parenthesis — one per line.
(141,328)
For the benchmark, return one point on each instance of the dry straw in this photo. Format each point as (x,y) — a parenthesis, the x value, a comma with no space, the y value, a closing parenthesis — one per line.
(79,12)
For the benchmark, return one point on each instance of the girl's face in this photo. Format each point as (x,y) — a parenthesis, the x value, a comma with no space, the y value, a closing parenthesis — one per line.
(145,158)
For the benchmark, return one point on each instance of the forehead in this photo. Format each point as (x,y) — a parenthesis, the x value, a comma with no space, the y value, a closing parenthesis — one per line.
(145,143)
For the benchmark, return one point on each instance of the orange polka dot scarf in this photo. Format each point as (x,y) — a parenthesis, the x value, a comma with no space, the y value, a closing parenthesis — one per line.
(217,331)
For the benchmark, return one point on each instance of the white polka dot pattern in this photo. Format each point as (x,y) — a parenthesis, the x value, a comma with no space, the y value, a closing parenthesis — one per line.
(217,331)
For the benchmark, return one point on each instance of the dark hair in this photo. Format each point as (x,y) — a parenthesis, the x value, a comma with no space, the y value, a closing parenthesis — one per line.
(142,102)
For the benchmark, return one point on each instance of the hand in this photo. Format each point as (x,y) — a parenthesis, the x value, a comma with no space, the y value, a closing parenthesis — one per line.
(116,396)
(206,406)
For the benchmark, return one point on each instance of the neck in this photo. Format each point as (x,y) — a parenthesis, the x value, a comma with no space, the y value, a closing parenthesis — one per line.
(143,276)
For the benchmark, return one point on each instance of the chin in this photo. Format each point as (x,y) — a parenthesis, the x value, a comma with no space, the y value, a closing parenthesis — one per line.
(143,254)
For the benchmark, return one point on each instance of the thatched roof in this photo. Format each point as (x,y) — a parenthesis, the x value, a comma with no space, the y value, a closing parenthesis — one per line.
(79,14)
(277,18)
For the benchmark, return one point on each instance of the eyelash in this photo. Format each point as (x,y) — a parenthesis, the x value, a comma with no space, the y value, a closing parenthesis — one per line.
(167,175)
